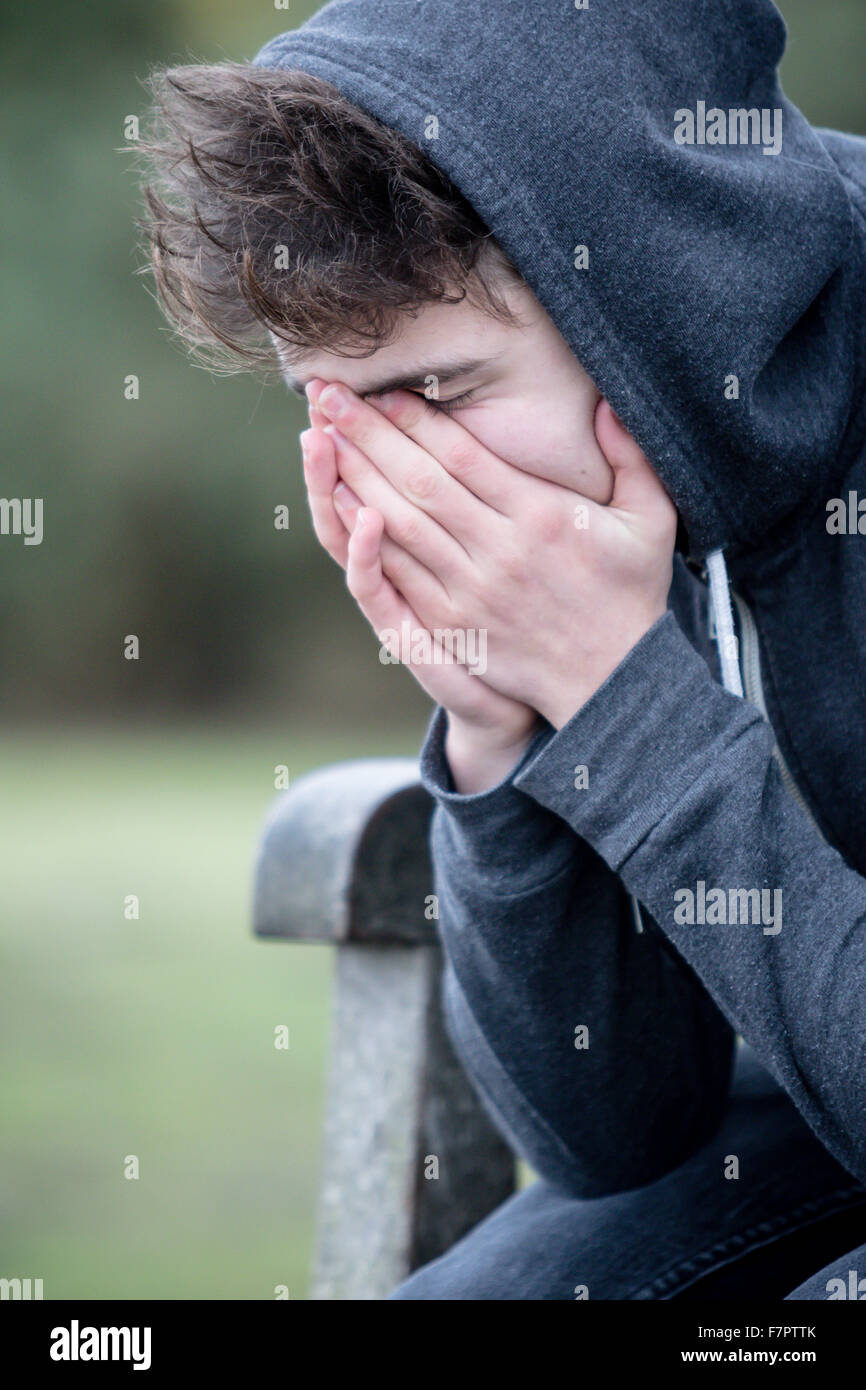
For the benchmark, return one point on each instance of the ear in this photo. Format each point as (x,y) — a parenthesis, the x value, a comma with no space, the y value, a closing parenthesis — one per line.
(636,488)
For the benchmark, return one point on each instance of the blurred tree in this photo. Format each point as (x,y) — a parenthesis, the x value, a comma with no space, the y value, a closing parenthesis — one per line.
(159,511)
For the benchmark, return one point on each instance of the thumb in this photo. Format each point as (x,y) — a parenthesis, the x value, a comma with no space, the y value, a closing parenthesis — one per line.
(636,488)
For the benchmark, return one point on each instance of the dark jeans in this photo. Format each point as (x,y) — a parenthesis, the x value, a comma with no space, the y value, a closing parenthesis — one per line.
(790,1221)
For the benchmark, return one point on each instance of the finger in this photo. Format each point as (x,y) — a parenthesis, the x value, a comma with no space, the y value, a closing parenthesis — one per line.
(493,481)
(418,475)
(405,523)
(320,476)
(364,578)
(636,487)
(397,625)
(366,581)
(312,390)
(418,585)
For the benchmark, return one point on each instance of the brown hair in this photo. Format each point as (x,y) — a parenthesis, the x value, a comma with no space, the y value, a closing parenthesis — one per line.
(273,203)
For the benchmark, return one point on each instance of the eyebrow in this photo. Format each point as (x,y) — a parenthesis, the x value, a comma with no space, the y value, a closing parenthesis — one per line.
(443,372)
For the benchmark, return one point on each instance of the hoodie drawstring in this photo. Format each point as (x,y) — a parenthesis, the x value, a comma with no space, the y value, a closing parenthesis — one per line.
(723,617)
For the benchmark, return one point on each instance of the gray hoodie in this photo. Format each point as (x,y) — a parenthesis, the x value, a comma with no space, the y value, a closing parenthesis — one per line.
(721,309)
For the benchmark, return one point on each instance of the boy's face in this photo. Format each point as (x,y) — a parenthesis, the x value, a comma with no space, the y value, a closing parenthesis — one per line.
(528,399)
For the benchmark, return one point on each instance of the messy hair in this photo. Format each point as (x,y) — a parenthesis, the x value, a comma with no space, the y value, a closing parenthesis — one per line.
(275,206)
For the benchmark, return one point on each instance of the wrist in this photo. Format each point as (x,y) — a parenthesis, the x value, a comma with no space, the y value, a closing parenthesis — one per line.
(482,756)
(567,696)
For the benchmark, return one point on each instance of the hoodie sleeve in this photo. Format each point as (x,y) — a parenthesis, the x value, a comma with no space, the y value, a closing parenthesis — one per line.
(686,804)
(594,1047)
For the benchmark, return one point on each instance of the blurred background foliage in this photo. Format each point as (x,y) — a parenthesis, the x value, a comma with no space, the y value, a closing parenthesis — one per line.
(156,1037)
(159,512)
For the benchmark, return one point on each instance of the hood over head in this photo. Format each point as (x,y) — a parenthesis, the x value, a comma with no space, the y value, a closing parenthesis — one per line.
(705,262)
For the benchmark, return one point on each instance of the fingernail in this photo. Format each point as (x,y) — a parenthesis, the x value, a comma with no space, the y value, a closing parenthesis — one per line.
(344,497)
(332,400)
(335,434)
(304,440)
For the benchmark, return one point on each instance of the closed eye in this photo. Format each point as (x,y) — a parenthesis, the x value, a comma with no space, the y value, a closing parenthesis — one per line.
(450,404)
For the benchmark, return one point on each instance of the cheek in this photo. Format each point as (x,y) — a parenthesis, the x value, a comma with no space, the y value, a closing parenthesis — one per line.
(543,445)
(511,434)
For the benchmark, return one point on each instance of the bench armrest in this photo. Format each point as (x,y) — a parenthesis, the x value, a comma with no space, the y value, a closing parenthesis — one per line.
(411,1159)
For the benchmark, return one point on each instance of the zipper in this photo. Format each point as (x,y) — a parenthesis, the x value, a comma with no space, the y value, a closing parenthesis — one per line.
(750,666)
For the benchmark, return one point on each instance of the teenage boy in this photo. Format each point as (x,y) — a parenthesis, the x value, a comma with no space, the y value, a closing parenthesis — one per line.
(577,297)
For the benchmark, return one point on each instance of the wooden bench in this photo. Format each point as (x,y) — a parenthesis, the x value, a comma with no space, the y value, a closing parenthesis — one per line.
(344,859)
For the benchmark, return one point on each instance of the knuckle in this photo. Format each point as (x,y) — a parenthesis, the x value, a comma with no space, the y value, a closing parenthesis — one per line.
(320,531)
(514,567)
(422,484)
(449,613)
(488,590)
(548,525)
(358,431)
(408,531)
(453,618)
(511,553)
(333,545)
(354,583)
(395,563)
(462,458)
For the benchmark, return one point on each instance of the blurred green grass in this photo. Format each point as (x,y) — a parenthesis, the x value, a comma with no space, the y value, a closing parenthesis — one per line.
(156,1037)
